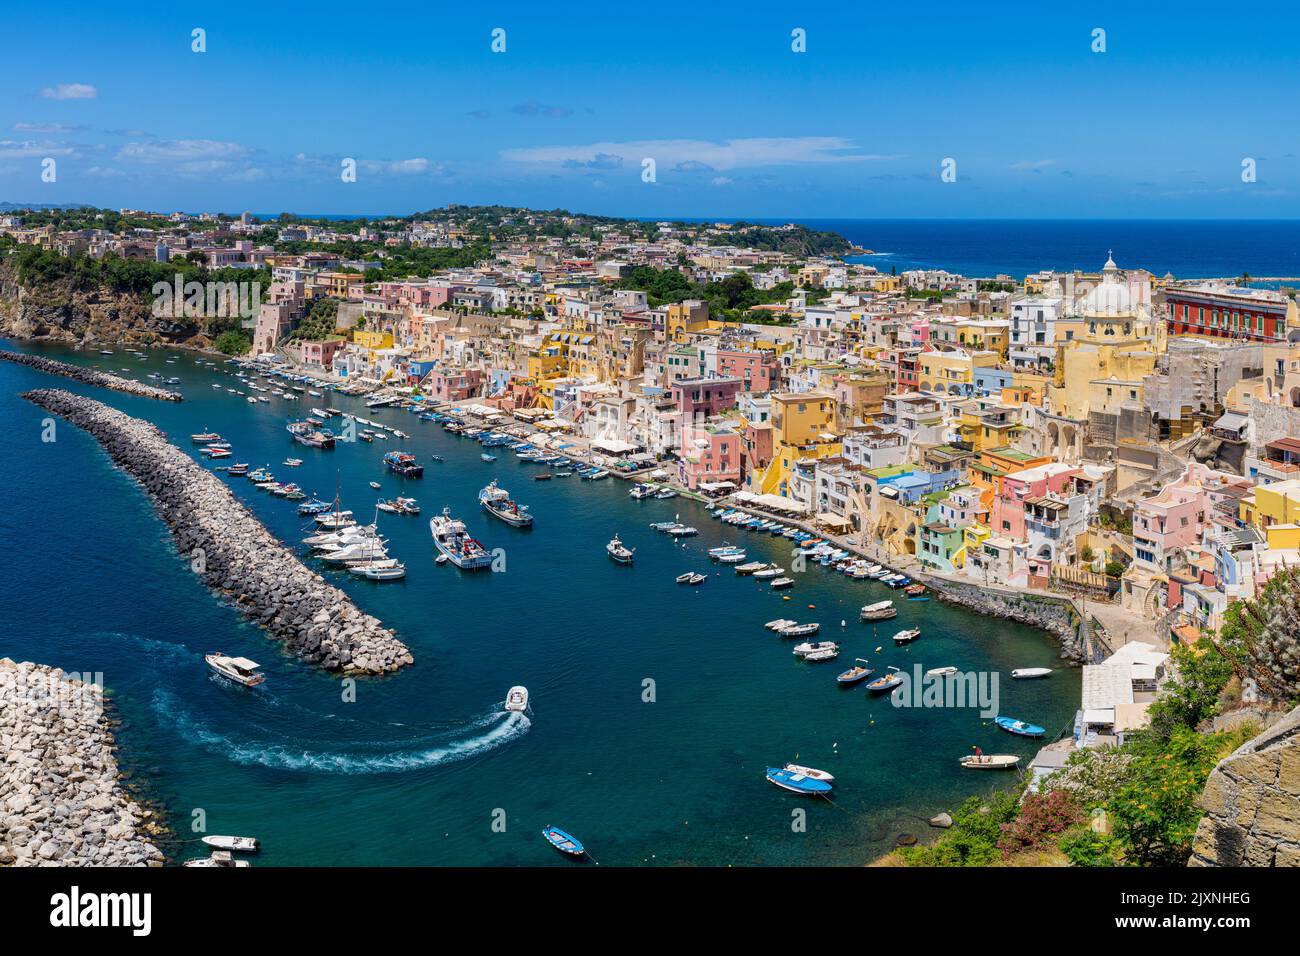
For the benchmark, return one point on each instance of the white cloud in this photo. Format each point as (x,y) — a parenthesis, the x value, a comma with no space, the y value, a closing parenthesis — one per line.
(27,149)
(730,154)
(1033,164)
(44,128)
(194,152)
(395,167)
(70,91)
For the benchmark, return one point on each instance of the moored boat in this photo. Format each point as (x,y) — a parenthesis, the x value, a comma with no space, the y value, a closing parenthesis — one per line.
(781,584)
(860,671)
(797,782)
(1029,673)
(813,772)
(907,636)
(453,540)
(497,502)
(618,551)
(564,842)
(983,761)
(235,843)
(885,682)
(1019,727)
(880,611)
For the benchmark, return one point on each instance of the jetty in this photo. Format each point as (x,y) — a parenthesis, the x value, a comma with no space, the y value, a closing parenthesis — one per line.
(61,800)
(231,550)
(90,376)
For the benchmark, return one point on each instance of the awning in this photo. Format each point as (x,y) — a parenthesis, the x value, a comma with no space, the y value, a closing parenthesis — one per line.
(834,520)
(612,445)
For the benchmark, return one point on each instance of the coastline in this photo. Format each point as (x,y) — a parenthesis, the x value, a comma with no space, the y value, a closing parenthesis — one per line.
(62,802)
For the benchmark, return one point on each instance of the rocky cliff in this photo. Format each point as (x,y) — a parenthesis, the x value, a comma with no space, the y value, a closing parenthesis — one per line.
(1252,803)
(65,311)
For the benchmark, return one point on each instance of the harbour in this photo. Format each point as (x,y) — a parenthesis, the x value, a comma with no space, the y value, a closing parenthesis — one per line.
(655,709)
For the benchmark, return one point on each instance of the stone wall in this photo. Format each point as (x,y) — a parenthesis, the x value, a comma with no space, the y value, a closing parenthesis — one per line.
(1054,615)
(1252,803)
(61,802)
(90,376)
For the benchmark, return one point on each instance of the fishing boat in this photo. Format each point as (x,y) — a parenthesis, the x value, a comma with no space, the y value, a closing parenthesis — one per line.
(691,577)
(235,843)
(1029,673)
(751,567)
(880,611)
(238,469)
(799,630)
(205,438)
(940,671)
(1019,727)
(239,669)
(797,782)
(912,590)
(562,841)
(498,503)
(618,551)
(769,572)
(400,463)
(517,699)
(313,507)
(307,434)
(907,636)
(812,772)
(781,584)
(885,682)
(453,540)
(984,761)
(544,476)
(860,671)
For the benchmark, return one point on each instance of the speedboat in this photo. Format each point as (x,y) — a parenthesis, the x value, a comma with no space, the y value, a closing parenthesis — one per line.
(517,699)
(860,671)
(797,782)
(782,583)
(941,672)
(239,669)
(907,636)
(562,841)
(451,537)
(1019,727)
(768,572)
(498,503)
(395,573)
(880,611)
(236,843)
(641,491)
(990,761)
(219,858)
(1027,673)
(618,551)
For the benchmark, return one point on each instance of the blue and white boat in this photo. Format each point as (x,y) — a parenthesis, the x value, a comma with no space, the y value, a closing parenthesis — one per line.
(797,782)
(564,842)
(1019,727)
(452,539)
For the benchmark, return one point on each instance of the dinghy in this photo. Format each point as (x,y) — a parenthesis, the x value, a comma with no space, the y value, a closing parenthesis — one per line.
(811,772)
(562,841)
(940,671)
(860,671)
(1026,673)
(907,636)
(885,682)
(990,761)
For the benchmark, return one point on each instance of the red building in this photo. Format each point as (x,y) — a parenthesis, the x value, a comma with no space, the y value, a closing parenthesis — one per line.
(1247,315)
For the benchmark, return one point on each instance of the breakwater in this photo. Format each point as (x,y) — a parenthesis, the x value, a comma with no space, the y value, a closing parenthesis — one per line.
(90,376)
(61,802)
(231,550)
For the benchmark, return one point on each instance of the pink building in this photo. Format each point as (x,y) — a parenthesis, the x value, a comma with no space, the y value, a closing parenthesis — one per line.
(319,354)
(453,384)
(709,454)
(1008,513)
(1169,521)
(700,398)
(758,370)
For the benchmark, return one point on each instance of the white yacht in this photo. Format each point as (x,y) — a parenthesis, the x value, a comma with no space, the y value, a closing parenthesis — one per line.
(239,669)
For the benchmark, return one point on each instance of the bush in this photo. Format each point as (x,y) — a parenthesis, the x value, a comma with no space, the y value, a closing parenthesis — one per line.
(1041,817)
(1114,569)
(972,840)
(233,343)
(1085,847)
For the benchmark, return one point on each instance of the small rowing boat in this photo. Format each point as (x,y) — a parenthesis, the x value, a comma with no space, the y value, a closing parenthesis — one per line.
(1019,727)
(990,761)
(797,782)
(563,842)
(1027,673)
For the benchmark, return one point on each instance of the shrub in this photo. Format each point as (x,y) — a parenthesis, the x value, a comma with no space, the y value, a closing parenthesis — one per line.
(1042,816)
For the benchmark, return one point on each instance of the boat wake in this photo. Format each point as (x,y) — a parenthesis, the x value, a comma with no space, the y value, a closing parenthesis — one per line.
(478,736)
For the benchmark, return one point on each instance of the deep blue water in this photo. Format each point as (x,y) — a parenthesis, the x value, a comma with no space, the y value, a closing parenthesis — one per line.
(413,771)
(1190,249)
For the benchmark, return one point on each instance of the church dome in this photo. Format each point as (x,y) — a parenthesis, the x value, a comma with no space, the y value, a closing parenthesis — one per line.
(1112,296)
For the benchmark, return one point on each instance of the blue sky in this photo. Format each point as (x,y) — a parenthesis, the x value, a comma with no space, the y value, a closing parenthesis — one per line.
(738,125)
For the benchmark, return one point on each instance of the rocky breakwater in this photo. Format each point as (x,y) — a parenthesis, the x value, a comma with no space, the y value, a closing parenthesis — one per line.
(61,802)
(231,550)
(90,376)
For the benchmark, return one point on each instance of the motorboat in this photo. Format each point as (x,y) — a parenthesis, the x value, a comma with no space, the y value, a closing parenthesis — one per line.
(641,491)
(725,549)
(735,558)
(799,630)
(880,611)
(486,457)
(239,669)
(885,682)
(751,567)
(375,485)
(781,583)
(232,843)
(1019,727)
(907,636)
(682,531)
(665,493)
(984,761)
(564,842)
(812,772)
(797,782)
(1029,673)
(817,651)
(497,502)
(395,573)
(769,572)
(618,551)
(205,438)
(219,858)
(452,539)
(860,671)
(308,434)
(779,623)
(517,699)
(691,577)
(941,672)
(293,462)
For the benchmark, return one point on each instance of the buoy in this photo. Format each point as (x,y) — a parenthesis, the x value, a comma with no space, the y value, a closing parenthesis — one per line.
(812,607)
(843,623)
(786,598)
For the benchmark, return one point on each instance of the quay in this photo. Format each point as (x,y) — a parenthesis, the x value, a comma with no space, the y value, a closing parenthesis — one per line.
(90,376)
(231,550)
(61,800)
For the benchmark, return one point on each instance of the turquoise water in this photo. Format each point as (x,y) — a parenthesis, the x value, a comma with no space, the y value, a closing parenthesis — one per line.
(419,767)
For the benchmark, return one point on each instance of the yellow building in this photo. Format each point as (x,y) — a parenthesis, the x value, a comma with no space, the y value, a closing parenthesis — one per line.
(687,318)
(953,371)
(1277,503)
(803,427)
(372,340)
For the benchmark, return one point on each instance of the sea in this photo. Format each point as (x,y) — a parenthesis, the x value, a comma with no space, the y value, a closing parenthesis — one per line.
(655,707)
